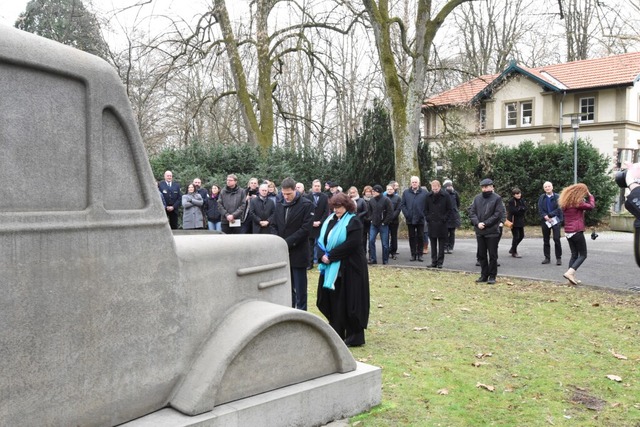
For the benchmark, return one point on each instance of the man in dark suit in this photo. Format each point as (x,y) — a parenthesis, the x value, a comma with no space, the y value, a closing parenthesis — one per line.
(170,190)
(293,220)
(320,213)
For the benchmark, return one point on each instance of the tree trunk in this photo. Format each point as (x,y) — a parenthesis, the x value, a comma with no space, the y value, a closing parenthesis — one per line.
(406,101)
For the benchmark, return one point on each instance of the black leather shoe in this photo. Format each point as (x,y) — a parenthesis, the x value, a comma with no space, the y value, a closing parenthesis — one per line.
(432,265)
(372,262)
(546,261)
(491,281)
(420,258)
(477,263)
(481,279)
(558,261)
(439,266)
(413,258)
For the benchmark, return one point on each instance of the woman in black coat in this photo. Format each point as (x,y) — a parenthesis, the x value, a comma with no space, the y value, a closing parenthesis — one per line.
(516,207)
(343,288)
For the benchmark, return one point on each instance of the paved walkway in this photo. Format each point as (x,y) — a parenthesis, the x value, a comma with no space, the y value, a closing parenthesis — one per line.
(610,262)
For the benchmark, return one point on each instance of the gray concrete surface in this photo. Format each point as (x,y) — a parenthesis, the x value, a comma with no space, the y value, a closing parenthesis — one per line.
(610,262)
(106,316)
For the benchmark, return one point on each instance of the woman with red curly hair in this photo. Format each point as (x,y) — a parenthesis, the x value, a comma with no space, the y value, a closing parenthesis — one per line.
(574,201)
(343,288)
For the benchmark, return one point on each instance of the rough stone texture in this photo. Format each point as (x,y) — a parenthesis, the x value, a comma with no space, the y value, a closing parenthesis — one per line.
(311,403)
(106,316)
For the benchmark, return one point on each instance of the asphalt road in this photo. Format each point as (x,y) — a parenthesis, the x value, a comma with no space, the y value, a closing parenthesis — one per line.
(610,262)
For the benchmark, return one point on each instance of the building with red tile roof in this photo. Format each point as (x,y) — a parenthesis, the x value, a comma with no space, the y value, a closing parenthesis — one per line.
(523,103)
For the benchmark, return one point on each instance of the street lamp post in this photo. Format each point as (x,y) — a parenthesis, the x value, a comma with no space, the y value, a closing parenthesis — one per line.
(575,125)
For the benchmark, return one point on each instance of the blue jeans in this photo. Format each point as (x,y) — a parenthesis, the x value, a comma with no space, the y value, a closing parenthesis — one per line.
(384,236)
(215,225)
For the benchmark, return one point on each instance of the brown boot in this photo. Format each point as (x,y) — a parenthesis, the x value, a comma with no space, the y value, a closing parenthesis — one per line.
(425,249)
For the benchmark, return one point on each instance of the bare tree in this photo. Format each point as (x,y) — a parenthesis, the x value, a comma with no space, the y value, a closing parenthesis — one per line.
(491,32)
(406,96)
(258,53)
(579,17)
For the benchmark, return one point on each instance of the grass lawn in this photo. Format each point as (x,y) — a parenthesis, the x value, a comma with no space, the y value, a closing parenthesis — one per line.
(519,353)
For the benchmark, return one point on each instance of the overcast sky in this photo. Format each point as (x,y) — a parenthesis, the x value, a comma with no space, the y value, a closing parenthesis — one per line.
(10,9)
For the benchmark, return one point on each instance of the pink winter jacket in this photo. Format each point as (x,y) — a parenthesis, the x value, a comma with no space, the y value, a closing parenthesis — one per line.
(574,217)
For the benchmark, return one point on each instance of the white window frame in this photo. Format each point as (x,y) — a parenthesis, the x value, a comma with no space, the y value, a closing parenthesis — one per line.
(511,114)
(587,103)
(529,116)
(482,118)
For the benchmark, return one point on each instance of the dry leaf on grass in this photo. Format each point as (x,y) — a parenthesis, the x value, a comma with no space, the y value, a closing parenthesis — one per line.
(418,329)
(406,375)
(478,364)
(618,356)
(614,378)
(465,309)
(486,387)
(380,306)
(483,355)
(438,298)
(443,391)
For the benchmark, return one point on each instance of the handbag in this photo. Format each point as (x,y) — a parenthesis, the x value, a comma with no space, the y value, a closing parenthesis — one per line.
(508,223)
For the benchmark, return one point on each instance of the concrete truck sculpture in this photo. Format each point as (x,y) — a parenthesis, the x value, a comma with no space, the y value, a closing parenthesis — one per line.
(108,318)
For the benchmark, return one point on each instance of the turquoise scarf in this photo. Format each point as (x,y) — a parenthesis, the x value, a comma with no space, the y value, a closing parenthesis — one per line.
(337,236)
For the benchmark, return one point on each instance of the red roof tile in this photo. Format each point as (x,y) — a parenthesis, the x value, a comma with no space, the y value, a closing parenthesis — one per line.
(618,70)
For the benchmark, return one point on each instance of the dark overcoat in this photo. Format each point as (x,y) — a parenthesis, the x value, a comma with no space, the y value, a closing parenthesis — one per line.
(413,205)
(172,195)
(353,278)
(261,210)
(320,211)
(437,211)
(515,211)
(293,222)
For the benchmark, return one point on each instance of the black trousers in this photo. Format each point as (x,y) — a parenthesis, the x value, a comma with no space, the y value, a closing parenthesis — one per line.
(173,219)
(488,245)
(437,249)
(416,238)
(546,238)
(578,246)
(518,235)
(393,238)
(451,238)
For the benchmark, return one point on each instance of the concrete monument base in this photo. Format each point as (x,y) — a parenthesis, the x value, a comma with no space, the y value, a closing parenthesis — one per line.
(311,403)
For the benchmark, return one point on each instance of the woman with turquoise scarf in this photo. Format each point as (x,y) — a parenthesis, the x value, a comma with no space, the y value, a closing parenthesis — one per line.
(343,287)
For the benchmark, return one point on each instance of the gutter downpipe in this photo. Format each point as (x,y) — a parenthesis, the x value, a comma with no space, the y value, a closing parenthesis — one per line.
(564,94)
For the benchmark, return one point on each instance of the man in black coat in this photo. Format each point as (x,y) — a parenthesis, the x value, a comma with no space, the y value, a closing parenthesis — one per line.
(380,214)
(413,206)
(262,209)
(320,213)
(486,213)
(395,219)
(437,211)
(170,190)
(293,220)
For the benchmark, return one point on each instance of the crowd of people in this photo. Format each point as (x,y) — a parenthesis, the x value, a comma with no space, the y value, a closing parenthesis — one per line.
(338,231)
